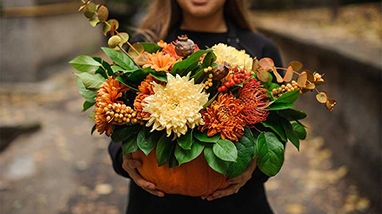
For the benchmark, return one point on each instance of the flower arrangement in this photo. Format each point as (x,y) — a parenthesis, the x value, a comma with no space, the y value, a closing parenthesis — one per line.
(180,105)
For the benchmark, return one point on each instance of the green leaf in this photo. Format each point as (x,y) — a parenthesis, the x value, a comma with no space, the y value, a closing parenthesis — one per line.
(184,156)
(280,106)
(88,95)
(120,59)
(105,69)
(84,63)
(291,135)
(245,152)
(188,64)
(86,105)
(293,114)
(163,149)
(214,162)
(185,141)
(288,97)
(273,122)
(208,59)
(121,133)
(150,47)
(93,129)
(145,143)
(138,75)
(124,80)
(91,81)
(159,75)
(202,137)
(225,150)
(299,130)
(130,145)
(270,153)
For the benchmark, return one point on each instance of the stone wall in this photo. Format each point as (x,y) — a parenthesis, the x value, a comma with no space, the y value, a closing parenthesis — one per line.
(36,39)
(353,130)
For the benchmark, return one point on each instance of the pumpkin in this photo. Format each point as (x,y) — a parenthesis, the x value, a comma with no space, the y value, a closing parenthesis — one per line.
(194,178)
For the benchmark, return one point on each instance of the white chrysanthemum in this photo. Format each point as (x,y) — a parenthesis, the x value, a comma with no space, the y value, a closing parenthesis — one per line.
(232,56)
(175,106)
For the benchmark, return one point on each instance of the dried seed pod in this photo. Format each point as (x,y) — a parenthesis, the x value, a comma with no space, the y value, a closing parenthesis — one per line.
(184,46)
(220,71)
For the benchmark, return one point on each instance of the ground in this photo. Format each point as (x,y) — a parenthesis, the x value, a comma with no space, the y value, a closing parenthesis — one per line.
(61,168)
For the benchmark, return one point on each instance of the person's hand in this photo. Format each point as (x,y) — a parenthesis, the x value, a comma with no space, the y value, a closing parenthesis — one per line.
(235,183)
(129,165)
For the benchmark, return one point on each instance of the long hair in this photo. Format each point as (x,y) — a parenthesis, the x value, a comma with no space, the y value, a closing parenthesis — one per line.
(162,15)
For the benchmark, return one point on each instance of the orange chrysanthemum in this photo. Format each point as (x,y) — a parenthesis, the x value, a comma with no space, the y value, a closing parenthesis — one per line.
(107,95)
(224,116)
(255,101)
(145,89)
(160,61)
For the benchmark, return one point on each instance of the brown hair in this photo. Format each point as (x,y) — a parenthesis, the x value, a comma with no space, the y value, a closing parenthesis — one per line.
(164,14)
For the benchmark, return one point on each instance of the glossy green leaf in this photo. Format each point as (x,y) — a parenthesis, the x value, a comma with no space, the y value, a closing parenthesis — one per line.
(184,156)
(291,135)
(86,105)
(288,97)
(273,122)
(130,145)
(84,63)
(145,143)
(189,63)
(202,137)
(121,133)
(280,106)
(138,75)
(150,47)
(245,150)
(214,162)
(270,153)
(91,81)
(225,150)
(88,95)
(293,114)
(185,141)
(299,130)
(120,59)
(163,148)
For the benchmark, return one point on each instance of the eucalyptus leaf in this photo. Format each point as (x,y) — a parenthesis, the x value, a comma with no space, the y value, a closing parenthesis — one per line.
(214,162)
(270,153)
(84,63)
(225,150)
(184,156)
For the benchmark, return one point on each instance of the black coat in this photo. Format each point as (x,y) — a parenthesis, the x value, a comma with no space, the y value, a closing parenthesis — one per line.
(252,197)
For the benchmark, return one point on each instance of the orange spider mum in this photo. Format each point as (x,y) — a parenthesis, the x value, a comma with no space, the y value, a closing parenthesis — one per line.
(145,89)
(160,61)
(107,94)
(255,100)
(224,116)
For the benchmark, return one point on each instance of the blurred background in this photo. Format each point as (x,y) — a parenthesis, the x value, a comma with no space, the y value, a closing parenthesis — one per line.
(50,164)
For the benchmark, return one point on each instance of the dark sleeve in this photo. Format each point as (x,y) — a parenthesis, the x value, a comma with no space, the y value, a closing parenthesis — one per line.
(115,152)
(271,50)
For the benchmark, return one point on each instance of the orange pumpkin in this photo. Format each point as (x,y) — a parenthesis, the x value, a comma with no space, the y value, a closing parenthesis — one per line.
(194,178)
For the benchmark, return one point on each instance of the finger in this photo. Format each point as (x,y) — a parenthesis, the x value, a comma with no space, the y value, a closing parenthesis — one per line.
(128,161)
(232,189)
(144,184)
